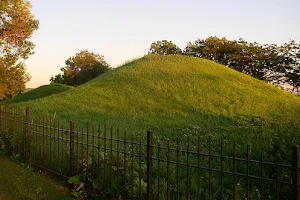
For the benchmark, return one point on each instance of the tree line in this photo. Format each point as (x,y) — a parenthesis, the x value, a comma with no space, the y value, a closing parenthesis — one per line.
(277,64)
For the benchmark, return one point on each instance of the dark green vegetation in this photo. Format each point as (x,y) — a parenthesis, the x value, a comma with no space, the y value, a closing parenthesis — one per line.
(18,182)
(39,92)
(178,96)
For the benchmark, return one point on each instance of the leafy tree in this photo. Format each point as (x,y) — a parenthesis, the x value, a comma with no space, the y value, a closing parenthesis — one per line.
(164,47)
(17,25)
(265,62)
(59,78)
(195,49)
(81,68)
(290,54)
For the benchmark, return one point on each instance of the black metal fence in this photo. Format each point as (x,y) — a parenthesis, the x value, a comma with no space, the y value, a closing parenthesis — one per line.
(119,165)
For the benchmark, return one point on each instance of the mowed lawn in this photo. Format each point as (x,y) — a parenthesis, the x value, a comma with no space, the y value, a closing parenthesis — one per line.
(17,182)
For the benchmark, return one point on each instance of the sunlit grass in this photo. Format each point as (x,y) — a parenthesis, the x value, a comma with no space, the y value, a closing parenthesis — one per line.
(176,96)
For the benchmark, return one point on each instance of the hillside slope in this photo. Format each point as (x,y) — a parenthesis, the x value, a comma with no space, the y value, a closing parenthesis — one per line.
(40,92)
(176,95)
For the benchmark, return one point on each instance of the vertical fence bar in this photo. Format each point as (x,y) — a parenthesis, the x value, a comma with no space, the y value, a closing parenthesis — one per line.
(177,169)
(125,163)
(188,168)
(62,149)
(77,153)
(158,171)
(248,173)
(296,173)
(71,147)
(111,162)
(198,171)
(140,170)
(99,149)
(222,168)
(87,153)
(93,144)
(43,155)
(82,153)
(104,157)
(210,169)
(234,171)
(277,179)
(149,165)
(168,171)
(118,162)
(67,158)
(26,147)
(132,168)
(58,152)
(19,127)
(39,140)
(50,140)
(36,141)
(47,143)
(262,176)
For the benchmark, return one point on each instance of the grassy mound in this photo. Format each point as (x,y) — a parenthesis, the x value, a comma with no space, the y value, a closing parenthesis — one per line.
(178,96)
(39,92)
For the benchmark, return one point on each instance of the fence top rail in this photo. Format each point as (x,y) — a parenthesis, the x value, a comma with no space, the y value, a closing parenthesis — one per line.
(99,135)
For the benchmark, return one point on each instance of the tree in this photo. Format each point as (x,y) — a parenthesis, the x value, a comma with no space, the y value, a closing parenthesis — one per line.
(17,25)
(279,65)
(59,78)
(195,49)
(254,59)
(81,68)
(164,47)
(290,55)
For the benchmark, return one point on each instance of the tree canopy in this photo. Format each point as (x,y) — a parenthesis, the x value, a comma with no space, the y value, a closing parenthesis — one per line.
(164,47)
(276,64)
(81,68)
(17,25)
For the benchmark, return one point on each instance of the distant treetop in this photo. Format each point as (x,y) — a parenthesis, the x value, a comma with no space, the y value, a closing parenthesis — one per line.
(81,68)
(164,47)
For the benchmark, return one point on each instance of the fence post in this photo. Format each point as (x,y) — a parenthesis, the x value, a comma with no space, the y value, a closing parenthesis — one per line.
(149,165)
(71,147)
(296,173)
(26,146)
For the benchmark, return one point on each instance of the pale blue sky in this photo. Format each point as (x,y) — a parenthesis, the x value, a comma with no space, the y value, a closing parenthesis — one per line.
(123,30)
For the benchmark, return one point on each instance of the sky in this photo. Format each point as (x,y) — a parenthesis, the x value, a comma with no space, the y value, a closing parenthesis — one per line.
(124,30)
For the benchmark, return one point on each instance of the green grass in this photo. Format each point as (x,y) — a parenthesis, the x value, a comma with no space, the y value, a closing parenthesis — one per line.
(17,182)
(39,92)
(177,96)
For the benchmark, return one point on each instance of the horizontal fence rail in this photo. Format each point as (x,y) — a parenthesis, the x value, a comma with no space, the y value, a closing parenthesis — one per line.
(120,166)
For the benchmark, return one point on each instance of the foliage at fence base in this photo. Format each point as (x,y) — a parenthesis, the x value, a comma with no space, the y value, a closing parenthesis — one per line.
(101,161)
